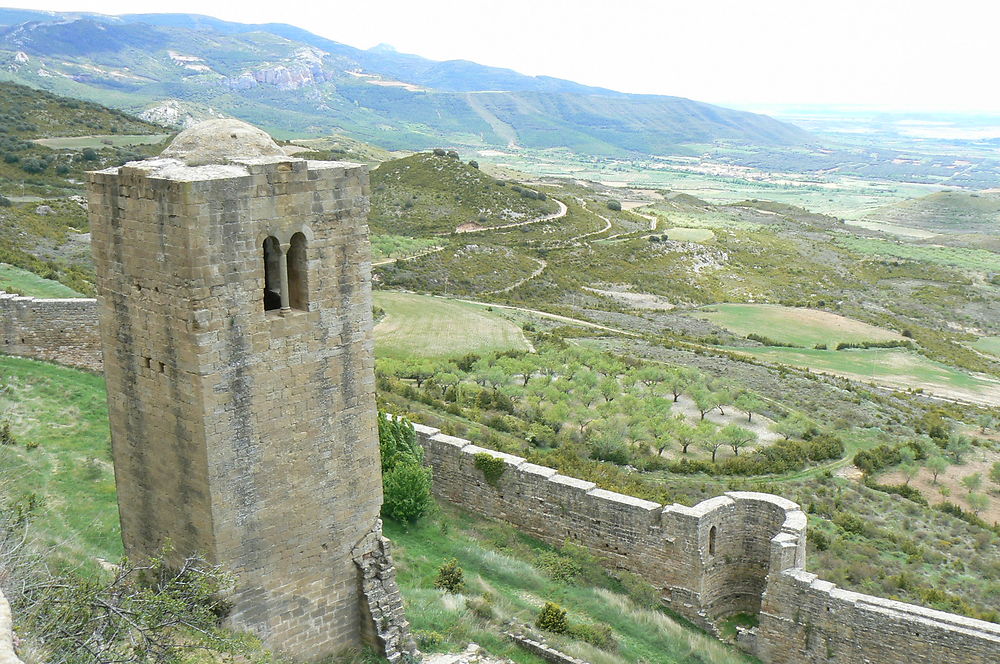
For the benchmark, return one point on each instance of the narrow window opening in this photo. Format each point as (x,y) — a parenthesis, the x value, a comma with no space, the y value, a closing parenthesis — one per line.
(272,274)
(163,367)
(711,541)
(298,277)
(148,362)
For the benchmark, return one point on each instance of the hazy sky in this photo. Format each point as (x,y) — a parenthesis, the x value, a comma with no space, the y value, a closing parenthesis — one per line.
(907,54)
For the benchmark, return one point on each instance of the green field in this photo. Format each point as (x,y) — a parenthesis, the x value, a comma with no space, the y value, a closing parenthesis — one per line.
(689,234)
(64,412)
(989,345)
(424,326)
(971,259)
(398,246)
(98,142)
(15,280)
(792,325)
(895,368)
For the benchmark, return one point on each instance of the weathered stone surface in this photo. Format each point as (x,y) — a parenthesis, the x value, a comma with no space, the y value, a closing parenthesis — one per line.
(220,142)
(245,435)
(7,654)
(57,330)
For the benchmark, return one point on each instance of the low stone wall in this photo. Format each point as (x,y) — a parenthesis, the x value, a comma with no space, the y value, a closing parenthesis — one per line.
(805,620)
(7,655)
(738,552)
(548,653)
(58,330)
(709,560)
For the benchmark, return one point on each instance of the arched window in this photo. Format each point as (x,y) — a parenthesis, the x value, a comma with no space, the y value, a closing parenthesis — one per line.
(272,274)
(711,541)
(298,278)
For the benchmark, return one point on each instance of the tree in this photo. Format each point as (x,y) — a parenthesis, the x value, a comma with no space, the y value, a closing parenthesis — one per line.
(749,404)
(406,484)
(958,446)
(704,400)
(986,421)
(978,502)
(910,469)
(678,380)
(614,205)
(972,482)
(683,432)
(707,438)
(937,464)
(795,425)
(736,437)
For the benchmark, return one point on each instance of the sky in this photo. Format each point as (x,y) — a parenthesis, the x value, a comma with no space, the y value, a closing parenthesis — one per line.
(885,54)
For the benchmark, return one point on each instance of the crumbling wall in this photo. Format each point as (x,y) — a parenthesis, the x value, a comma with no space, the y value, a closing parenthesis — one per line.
(58,330)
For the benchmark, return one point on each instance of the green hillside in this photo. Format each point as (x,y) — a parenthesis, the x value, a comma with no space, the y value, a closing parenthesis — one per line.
(945,212)
(430,194)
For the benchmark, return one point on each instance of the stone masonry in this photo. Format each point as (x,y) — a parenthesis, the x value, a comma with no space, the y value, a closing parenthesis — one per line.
(58,330)
(234,293)
(740,552)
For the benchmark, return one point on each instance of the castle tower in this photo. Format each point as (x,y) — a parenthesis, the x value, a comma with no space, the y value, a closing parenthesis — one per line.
(234,291)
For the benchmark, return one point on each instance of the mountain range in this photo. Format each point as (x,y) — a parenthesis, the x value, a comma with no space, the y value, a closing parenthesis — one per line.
(172,68)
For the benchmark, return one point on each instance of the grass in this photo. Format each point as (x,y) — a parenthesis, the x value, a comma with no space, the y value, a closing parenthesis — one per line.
(500,561)
(892,367)
(689,234)
(15,280)
(793,325)
(98,142)
(63,411)
(398,246)
(961,257)
(989,345)
(423,326)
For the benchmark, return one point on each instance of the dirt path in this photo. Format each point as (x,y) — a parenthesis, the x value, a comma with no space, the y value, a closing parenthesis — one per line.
(549,217)
(387,261)
(607,224)
(541,268)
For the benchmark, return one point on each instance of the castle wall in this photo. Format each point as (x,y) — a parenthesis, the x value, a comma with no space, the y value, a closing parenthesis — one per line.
(668,546)
(805,620)
(57,330)
(757,565)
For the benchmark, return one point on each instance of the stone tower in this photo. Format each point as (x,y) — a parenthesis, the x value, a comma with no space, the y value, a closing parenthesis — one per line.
(234,291)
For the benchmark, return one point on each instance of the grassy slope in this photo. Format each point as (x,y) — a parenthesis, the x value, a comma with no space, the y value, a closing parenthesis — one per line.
(944,212)
(417,325)
(518,590)
(424,194)
(802,327)
(15,280)
(64,411)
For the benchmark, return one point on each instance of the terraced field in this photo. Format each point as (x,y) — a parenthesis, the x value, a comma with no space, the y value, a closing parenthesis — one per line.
(792,325)
(424,326)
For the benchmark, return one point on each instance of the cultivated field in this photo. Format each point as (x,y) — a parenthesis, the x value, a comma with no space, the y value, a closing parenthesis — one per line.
(900,369)
(98,142)
(989,345)
(792,325)
(424,326)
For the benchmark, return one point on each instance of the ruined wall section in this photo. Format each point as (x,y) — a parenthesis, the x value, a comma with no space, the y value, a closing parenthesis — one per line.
(671,547)
(805,620)
(56,330)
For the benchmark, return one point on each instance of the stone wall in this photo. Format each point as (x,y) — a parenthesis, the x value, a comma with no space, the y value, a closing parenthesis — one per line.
(754,562)
(709,560)
(7,654)
(58,330)
(805,620)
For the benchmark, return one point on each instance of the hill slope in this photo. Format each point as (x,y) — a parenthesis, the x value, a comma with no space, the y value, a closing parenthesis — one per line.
(292,81)
(945,212)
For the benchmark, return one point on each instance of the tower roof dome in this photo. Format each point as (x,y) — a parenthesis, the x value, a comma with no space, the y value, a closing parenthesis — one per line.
(221,141)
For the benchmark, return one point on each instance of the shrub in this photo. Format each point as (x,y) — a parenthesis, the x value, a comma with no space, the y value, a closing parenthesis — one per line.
(89,154)
(407,491)
(452,154)
(819,540)
(438,152)
(450,577)
(615,205)
(474,163)
(4,201)
(34,166)
(428,639)
(6,434)
(850,523)
(552,619)
(559,567)
(599,635)
(491,467)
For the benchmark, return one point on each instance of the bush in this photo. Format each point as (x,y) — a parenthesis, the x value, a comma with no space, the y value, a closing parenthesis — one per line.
(615,205)
(552,619)
(4,201)
(450,577)
(407,491)
(474,163)
(438,152)
(559,567)
(599,635)
(34,166)
(428,640)
(6,434)
(89,154)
